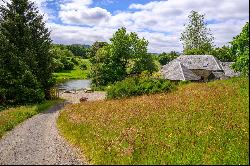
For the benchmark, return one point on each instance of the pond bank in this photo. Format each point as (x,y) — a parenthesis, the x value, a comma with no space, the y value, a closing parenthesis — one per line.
(74,90)
(74,97)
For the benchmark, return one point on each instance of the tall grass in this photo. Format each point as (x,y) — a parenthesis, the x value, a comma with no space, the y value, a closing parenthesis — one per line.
(201,123)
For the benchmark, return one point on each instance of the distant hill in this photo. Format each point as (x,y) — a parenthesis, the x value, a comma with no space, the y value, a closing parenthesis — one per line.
(83,45)
(153,53)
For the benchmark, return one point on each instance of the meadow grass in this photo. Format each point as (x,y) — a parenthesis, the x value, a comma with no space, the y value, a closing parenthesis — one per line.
(76,73)
(200,123)
(11,117)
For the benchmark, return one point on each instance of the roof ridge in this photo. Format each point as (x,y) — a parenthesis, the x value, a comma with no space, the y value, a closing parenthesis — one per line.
(182,71)
(190,71)
(217,62)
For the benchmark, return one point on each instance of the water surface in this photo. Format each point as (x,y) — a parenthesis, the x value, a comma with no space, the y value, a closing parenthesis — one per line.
(74,85)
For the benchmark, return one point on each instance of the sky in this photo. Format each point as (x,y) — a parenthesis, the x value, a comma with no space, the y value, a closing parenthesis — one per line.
(160,21)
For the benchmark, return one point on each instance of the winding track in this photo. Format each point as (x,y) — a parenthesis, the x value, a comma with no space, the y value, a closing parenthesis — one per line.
(36,141)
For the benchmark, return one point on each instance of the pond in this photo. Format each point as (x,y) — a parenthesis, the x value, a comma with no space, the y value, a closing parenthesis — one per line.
(74,85)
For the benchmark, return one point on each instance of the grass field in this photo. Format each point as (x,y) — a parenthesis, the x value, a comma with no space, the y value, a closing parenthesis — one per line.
(11,117)
(76,73)
(201,123)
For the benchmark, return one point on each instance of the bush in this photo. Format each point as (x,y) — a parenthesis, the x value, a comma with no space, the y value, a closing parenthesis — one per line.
(164,58)
(84,67)
(136,86)
(68,65)
(75,61)
(57,65)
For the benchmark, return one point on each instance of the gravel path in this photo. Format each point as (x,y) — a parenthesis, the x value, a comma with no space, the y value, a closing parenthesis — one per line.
(36,141)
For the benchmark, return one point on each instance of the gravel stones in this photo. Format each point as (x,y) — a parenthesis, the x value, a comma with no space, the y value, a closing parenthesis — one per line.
(37,142)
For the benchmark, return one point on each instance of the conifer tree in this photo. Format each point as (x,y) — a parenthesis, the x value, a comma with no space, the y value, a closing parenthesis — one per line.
(27,42)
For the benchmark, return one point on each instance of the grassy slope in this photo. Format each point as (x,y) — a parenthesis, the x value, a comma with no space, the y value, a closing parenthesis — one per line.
(11,117)
(76,73)
(201,123)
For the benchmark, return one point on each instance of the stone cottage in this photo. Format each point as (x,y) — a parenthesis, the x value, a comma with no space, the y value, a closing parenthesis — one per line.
(197,68)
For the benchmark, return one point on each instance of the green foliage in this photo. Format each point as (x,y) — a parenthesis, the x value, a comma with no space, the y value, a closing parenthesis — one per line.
(242,63)
(144,62)
(94,48)
(141,60)
(136,86)
(25,61)
(240,48)
(84,67)
(127,54)
(63,59)
(224,54)
(76,73)
(196,52)
(78,50)
(75,61)
(197,38)
(164,58)
(67,64)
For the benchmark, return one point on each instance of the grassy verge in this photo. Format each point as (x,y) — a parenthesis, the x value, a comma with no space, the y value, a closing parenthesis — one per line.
(11,117)
(201,123)
(76,73)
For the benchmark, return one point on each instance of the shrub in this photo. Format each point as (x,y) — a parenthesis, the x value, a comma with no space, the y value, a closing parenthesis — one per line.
(135,86)
(75,61)
(68,65)
(57,65)
(164,58)
(84,67)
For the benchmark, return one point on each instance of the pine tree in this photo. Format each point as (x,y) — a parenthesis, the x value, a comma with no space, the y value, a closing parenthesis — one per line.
(23,28)
(196,38)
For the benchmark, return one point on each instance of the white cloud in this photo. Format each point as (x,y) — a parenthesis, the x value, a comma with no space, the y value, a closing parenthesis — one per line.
(87,16)
(39,3)
(75,4)
(160,22)
(225,31)
(75,34)
(79,12)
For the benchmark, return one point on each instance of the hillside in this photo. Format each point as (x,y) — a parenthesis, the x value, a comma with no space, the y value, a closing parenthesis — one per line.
(200,123)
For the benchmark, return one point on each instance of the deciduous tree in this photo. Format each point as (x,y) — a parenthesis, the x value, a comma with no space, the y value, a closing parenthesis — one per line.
(240,48)
(126,54)
(196,38)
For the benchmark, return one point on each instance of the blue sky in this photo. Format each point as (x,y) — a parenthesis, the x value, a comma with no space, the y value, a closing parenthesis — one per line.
(116,5)
(160,21)
(113,6)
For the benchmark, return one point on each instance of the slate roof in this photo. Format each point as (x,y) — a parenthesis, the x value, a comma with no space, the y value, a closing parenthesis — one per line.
(206,62)
(177,71)
(226,66)
(181,67)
